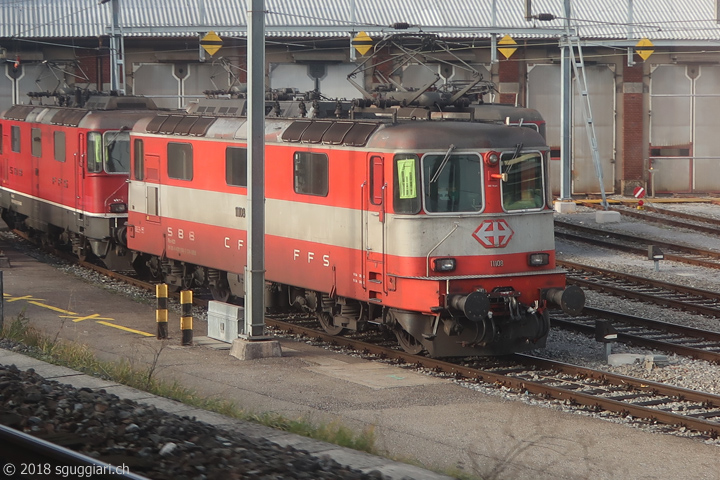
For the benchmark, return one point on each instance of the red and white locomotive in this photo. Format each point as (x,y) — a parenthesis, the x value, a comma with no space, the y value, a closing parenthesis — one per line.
(63,172)
(431,223)
(435,226)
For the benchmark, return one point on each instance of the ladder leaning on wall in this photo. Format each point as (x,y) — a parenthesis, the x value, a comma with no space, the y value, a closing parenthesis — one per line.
(578,64)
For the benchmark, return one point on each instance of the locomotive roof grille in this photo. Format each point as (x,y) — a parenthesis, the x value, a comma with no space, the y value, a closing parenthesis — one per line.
(18,112)
(354,134)
(69,118)
(192,125)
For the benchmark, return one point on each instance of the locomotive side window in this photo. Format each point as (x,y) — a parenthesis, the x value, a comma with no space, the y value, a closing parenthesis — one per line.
(236,166)
(452,183)
(15,139)
(139,155)
(59,146)
(36,149)
(180,161)
(406,178)
(311,173)
(94,152)
(524,186)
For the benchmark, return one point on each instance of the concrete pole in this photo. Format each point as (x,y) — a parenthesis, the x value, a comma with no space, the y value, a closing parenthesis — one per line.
(255,269)
(566,113)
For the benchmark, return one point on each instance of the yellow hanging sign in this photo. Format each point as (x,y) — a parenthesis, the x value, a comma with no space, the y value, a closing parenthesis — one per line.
(362,43)
(211,43)
(644,48)
(507,51)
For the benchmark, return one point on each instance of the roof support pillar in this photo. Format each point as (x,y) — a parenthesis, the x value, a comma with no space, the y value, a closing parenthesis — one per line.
(255,269)
(566,118)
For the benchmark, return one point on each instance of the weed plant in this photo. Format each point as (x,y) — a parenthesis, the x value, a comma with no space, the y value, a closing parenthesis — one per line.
(80,357)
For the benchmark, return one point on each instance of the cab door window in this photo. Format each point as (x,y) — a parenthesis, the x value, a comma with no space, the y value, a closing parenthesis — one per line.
(406,183)
(94,152)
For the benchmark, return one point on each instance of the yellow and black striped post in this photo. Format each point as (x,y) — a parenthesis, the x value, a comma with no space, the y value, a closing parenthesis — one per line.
(161,314)
(186,318)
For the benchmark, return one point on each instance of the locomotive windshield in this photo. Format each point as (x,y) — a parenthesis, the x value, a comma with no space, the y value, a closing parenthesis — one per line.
(109,152)
(452,183)
(523,188)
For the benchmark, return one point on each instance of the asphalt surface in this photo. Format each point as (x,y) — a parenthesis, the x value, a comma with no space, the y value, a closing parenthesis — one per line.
(416,418)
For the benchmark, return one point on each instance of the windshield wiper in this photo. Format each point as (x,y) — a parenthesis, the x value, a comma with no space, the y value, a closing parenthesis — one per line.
(510,162)
(442,165)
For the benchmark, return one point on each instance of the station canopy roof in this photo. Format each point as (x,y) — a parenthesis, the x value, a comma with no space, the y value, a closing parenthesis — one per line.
(657,20)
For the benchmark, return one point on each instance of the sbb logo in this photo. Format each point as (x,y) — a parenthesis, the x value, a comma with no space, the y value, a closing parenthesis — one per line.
(493,233)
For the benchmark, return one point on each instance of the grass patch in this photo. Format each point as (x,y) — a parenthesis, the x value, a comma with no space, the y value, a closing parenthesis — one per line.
(80,357)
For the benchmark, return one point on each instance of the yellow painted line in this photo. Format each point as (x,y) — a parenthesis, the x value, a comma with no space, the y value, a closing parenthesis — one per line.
(55,309)
(145,334)
(95,316)
(26,297)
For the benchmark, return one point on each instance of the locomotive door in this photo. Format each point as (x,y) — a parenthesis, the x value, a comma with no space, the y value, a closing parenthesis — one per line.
(152,188)
(374,230)
(80,158)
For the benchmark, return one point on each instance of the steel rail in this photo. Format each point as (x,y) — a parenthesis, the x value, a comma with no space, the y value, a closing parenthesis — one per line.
(709,294)
(596,240)
(544,389)
(691,305)
(21,448)
(696,337)
(648,217)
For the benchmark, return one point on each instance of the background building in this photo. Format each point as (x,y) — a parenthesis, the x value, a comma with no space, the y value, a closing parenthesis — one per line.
(653,66)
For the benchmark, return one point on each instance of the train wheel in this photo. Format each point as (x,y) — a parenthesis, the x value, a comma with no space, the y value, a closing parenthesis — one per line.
(408,343)
(328,323)
(220,293)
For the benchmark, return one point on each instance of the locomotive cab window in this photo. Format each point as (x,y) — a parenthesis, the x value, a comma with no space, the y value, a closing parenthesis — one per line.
(36,135)
(117,151)
(139,158)
(180,161)
(94,152)
(406,178)
(15,139)
(59,146)
(311,175)
(524,187)
(236,166)
(452,183)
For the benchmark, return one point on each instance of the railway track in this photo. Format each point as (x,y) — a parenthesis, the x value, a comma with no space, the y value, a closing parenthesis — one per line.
(594,389)
(667,217)
(648,333)
(29,457)
(636,244)
(695,300)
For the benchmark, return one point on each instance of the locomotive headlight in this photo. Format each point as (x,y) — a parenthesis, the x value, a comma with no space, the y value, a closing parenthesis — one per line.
(492,159)
(538,259)
(118,208)
(444,264)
